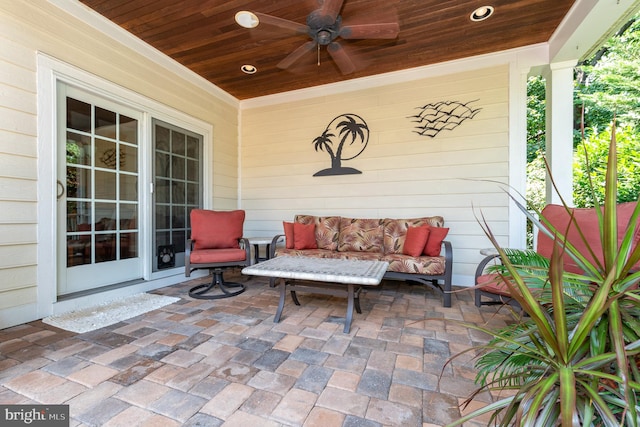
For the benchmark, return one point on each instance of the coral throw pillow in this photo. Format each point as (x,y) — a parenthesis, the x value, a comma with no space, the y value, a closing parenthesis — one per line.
(216,229)
(288,234)
(304,236)
(415,241)
(434,242)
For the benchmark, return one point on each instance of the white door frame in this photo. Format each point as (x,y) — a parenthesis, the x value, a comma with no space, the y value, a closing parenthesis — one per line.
(74,279)
(50,72)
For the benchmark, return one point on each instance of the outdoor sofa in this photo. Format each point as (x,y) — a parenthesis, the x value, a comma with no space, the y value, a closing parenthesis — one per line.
(414,248)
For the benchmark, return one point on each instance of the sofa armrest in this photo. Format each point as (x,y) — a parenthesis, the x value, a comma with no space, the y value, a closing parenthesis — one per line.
(448,273)
(272,248)
(448,251)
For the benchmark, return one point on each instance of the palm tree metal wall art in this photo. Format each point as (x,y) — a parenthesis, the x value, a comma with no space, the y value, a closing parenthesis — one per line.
(345,138)
(443,115)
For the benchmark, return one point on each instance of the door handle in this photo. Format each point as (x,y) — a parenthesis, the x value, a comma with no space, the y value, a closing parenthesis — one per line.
(60,192)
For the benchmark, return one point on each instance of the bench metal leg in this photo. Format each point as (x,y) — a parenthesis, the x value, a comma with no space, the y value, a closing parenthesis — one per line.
(283,294)
(294,297)
(350,298)
(352,291)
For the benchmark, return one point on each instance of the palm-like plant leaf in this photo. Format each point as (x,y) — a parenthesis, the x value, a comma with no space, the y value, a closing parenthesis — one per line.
(574,359)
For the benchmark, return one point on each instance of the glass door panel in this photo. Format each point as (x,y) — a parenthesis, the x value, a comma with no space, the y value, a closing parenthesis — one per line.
(98,163)
(177,190)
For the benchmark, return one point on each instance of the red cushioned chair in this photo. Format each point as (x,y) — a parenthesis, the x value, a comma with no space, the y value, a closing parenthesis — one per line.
(491,290)
(216,244)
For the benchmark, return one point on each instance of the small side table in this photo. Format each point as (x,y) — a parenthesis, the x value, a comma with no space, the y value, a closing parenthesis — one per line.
(256,242)
(488,251)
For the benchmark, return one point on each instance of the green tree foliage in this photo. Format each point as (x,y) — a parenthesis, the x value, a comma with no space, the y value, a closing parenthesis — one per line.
(536,104)
(608,84)
(536,183)
(596,148)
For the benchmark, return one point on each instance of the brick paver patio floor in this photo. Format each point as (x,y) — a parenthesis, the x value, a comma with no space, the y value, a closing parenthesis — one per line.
(225,363)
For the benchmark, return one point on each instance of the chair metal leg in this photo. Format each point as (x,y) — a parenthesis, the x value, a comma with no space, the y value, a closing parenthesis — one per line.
(201,291)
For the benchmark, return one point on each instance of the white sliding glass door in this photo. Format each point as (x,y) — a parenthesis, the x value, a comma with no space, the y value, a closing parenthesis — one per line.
(98,199)
(177,190)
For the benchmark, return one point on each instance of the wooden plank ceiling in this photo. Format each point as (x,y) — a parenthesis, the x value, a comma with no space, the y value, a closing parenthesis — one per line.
(203,36)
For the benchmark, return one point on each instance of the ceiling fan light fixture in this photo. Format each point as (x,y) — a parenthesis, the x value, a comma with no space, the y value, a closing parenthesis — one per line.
(324,37)
(481,13)
(247,19)
(249,69)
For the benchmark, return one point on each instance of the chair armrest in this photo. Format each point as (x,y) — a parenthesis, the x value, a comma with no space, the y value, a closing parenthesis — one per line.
(483,264)
(272,248)
(187,257)
(244,244)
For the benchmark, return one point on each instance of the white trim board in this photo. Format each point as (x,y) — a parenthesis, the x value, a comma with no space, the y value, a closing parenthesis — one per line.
(49,72)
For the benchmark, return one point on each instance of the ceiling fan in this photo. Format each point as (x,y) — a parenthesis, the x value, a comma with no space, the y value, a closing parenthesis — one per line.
(324,26)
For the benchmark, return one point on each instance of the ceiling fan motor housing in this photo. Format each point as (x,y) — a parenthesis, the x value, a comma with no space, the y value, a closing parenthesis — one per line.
(324,26)
(321,31)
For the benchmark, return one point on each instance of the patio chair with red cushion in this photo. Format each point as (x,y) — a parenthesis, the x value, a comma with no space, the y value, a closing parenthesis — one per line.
(216,244)
(490,289)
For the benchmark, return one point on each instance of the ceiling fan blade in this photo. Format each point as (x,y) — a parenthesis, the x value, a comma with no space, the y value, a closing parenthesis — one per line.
(388,30)
(341,58)
(281,23)
(331,8)
(296,54)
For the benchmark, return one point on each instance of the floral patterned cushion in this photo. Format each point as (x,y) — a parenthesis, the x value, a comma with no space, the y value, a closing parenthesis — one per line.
(397,262)
(360,235)
(323,253)
(364,256)
(432,266)
(316,253)
(327,229)
(395,231)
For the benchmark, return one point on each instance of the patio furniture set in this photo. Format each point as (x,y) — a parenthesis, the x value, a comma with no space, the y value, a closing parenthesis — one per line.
(328,255)
(338,255)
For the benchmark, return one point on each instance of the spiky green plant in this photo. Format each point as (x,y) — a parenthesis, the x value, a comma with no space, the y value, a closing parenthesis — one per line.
(573,361)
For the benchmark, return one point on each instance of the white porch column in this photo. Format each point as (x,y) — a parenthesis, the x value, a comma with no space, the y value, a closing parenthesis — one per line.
(559,129)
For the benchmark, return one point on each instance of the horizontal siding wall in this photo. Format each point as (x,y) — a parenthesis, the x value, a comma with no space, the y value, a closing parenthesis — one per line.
(456,174)
(27,28)
(31,27)
(18,175)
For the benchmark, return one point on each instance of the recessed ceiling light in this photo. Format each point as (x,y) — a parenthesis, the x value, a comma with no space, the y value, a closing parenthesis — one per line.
(481,13)
(248,69)
(247,19)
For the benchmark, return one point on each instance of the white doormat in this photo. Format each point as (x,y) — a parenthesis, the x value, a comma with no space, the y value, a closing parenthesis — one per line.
(108,313)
